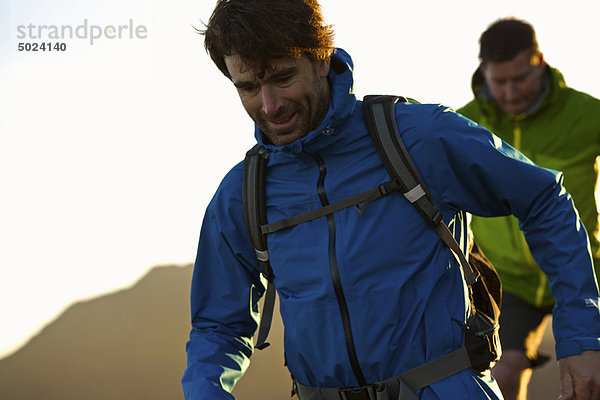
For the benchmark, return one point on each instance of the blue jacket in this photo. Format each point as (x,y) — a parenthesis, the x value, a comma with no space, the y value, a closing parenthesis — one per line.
(381,289)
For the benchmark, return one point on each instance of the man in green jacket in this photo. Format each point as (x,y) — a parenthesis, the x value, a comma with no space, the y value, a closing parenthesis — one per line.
(526,102)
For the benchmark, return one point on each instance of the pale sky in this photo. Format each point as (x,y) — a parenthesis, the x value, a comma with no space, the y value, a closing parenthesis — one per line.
(110,152)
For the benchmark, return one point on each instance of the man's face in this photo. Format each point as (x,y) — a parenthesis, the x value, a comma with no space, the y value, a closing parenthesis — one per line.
(286,100)
(515,84)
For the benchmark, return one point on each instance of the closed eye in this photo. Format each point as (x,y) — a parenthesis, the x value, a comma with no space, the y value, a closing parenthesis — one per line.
(283,76)
(246,87)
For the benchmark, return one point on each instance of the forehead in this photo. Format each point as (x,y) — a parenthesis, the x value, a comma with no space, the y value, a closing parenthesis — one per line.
(240,69)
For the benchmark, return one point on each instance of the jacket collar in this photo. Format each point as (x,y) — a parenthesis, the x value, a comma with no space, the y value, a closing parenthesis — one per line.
(341,106)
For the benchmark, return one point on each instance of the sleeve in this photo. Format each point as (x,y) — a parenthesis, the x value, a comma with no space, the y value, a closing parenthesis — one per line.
(485,176)
(225,291)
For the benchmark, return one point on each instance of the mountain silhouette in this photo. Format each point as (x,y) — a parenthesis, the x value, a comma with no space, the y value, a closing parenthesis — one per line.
(130,345)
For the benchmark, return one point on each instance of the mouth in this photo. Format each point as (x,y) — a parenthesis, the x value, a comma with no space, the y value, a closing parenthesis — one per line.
(283,124)
(514,107)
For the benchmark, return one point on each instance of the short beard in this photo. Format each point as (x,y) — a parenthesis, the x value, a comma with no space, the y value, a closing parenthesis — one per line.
(311,121)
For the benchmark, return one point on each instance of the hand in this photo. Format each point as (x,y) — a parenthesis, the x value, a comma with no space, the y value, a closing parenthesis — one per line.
(580,376)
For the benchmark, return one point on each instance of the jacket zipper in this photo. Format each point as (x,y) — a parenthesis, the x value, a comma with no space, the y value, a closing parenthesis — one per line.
(517,135)
(335,276)
(511,230)
(517,145)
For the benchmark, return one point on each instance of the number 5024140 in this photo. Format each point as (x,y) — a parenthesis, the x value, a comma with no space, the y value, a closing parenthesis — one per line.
(44,46)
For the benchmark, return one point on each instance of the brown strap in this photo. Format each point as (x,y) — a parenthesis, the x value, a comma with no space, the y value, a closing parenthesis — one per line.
(444,233)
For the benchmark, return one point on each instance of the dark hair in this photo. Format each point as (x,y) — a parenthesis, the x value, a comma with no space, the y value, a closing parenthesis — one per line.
(263,30)
(506,38)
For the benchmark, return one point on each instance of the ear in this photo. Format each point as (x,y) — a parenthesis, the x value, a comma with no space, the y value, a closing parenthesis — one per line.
(542,61)
(537,60)
(323,67)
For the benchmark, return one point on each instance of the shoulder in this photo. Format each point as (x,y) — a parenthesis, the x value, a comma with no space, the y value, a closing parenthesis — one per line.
(576,111)
(229,194)
(575,101)
(469,110)
(233,180)
(438,138)
(584,99)
(432,122)
(444,146)
(224,216)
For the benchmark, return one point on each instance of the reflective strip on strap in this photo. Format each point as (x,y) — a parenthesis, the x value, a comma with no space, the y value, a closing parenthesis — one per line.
(262,255)
(415,193)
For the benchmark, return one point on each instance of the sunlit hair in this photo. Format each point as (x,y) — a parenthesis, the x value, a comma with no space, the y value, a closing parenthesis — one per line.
(263,30)
(506,38)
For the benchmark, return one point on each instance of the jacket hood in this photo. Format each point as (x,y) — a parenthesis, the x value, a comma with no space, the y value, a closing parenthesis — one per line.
(341,105)
(556,83)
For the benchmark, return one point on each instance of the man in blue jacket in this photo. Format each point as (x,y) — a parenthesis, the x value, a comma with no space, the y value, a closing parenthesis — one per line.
(364,297)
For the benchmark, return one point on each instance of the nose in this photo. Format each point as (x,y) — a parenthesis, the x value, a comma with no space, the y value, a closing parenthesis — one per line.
(271,101)
(511,92)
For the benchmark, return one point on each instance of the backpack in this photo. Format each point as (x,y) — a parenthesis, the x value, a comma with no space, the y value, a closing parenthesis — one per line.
(481,330)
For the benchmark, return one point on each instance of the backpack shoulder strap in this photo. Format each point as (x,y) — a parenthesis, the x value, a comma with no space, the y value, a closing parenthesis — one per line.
(255,215)
(380,118)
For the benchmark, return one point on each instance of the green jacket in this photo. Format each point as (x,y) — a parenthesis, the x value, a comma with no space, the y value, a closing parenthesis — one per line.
(561,133)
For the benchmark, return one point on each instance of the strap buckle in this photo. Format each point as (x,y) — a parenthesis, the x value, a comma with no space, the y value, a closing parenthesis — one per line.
(361,393)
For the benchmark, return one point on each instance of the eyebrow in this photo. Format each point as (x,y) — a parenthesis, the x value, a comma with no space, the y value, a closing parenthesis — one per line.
(243,84)
(273,76)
